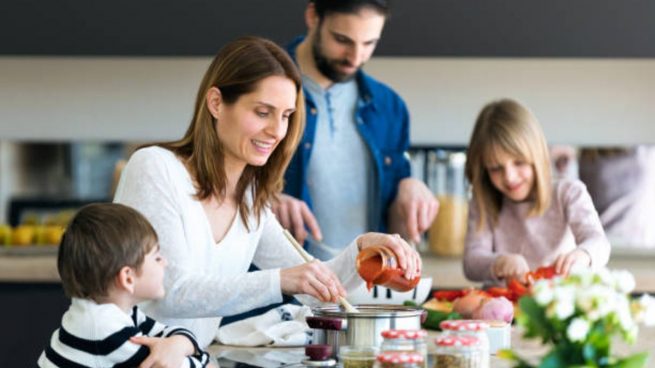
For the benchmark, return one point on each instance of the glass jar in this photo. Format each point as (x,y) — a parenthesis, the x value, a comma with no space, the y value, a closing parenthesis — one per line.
(453,351)
(472,328)
(378,265)
(399,359)
(407,341)
(357,356)
(447,181)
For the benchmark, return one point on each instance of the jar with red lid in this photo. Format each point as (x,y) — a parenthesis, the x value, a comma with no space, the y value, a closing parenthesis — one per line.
(469,327)
(378,266)
(453,351)
(412,341)
(399,359)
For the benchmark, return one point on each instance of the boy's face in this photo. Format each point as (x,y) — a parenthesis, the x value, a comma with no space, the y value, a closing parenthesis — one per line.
(149,283)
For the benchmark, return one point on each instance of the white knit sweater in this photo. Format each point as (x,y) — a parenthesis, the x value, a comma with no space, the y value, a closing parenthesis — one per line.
(206,280)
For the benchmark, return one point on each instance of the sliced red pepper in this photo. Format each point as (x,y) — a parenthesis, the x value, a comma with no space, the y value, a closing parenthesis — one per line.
(547,272)
(449,295)
(516,287)
(496,291)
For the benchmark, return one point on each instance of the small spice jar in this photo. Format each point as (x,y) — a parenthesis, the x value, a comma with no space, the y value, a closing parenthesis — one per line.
(469,327)
(318,356)
(399,359)
(378,265)
(357,356)
(454,351)
(406,341)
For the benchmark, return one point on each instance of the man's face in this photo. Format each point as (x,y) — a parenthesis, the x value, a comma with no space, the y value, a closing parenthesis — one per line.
(342,43)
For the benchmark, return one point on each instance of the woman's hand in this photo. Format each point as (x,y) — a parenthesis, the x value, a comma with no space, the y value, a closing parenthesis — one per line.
(164,352)
(408,258)
(564,262)
(511,266)
(313,278)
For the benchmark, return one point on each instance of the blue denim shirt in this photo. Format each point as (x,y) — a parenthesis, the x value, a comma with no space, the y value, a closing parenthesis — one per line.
(383,122)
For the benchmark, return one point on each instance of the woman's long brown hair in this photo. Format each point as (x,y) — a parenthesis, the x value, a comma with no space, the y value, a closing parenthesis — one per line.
(236,70)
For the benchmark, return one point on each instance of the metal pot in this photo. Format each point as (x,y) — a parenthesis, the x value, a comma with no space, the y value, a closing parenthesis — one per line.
(337,328)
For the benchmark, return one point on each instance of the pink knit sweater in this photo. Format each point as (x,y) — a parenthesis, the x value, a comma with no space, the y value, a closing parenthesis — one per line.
(571,221)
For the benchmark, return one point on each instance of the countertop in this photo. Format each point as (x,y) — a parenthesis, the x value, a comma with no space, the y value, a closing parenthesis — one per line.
(39,264)
(531,350)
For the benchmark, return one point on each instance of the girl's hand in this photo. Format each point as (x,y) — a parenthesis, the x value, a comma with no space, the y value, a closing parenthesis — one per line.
(511,266)
(313,278)
(564,262)
(408,258)
(165,352)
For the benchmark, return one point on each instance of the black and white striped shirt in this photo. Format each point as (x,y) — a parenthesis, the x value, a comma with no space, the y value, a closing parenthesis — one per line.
(98,335)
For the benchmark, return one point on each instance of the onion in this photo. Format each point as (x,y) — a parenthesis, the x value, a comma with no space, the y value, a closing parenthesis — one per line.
(495,309)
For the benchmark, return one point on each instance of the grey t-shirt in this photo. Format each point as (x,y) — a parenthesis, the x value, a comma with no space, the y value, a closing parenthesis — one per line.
(339,170)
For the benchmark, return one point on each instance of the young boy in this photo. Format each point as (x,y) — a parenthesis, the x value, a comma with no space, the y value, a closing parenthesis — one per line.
(108,262)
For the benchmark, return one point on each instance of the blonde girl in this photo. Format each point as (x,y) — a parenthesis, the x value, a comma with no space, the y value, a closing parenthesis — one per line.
(519,219)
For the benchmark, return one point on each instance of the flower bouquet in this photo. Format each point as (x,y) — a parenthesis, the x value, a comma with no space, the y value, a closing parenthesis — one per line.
(579,314)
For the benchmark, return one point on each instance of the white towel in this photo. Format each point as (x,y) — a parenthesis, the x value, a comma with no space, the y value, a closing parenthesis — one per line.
(282,326)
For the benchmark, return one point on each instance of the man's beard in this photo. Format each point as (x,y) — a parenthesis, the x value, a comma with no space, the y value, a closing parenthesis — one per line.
(328,67)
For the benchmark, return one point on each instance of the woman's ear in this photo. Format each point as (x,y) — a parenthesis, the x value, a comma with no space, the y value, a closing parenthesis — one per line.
(125,279)
(214,100)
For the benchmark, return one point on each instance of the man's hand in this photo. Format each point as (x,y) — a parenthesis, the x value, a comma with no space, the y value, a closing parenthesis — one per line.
(295,215)
(413,210)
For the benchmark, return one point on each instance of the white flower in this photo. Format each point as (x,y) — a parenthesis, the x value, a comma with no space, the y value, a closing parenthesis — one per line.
(645,310)
(624,281)
(564,301)
(605,277)
(543,292)
(623,314)
(578,329)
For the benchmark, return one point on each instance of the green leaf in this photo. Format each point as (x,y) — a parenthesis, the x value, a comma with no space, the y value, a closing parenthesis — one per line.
(633,361)
(552,360)
(534,319)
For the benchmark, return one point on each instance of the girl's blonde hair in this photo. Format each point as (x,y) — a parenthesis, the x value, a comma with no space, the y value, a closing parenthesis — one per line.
(237,69)
(507,126)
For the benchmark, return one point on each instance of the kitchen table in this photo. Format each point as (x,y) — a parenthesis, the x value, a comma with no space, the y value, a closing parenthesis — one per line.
(231,356)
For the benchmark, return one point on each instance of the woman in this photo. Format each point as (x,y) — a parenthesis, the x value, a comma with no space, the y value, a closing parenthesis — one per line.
(208,195)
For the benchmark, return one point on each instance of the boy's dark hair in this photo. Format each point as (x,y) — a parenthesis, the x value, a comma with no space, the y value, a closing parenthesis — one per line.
(101,239)
(326,7)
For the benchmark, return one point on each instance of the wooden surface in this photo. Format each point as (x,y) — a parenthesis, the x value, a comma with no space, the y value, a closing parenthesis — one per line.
(39,264)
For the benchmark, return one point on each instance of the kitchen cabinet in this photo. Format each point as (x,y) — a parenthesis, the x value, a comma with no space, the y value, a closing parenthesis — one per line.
(556,28)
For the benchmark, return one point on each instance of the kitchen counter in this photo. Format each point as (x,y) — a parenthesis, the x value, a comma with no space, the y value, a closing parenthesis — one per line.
(531,349)
(39,264)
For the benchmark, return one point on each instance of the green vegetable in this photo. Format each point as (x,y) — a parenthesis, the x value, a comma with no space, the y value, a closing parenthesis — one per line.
(434,317)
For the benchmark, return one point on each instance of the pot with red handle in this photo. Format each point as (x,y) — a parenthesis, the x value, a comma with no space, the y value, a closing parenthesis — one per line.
(335,327)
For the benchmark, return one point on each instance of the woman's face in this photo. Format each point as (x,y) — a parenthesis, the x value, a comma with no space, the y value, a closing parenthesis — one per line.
(252,127)
(511,175)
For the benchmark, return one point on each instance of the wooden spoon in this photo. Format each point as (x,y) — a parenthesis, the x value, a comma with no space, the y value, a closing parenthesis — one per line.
(308,258)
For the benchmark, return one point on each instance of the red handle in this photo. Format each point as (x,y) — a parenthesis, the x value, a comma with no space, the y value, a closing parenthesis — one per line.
(325,323)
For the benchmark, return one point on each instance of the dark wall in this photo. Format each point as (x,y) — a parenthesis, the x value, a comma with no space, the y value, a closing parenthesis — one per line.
(549,28)
(29,314)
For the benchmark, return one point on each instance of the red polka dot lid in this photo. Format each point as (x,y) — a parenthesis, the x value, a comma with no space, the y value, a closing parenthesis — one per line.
(450,340)
(398,357)
(404,334)
(464,325)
